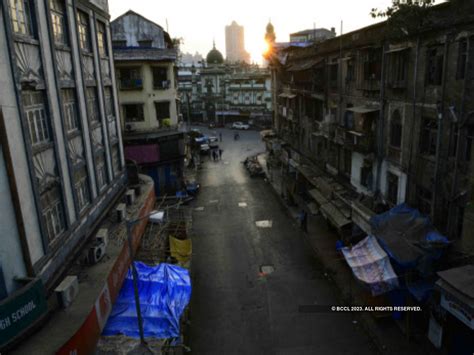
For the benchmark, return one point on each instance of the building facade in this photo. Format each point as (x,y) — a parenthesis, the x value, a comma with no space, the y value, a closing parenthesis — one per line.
(385,120)
(61,161)
(221,92)
(145,62)
(235,44)
(314,35)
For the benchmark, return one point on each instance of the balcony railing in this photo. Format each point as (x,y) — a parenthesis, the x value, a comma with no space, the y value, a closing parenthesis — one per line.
(131,84)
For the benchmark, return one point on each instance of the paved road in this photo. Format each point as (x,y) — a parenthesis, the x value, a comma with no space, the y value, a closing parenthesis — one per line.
(237,310)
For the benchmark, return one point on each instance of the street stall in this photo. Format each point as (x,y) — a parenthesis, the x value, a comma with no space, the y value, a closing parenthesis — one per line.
(454,327)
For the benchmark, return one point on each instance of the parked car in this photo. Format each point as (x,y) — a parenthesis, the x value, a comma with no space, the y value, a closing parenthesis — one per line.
(240,125)
(205,148)
(213,142)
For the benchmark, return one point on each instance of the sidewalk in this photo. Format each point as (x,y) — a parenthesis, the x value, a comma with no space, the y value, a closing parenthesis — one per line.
(384,332)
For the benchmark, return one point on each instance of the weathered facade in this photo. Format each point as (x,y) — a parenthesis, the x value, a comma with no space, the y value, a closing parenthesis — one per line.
(62,165)
(145,64)
(389,120)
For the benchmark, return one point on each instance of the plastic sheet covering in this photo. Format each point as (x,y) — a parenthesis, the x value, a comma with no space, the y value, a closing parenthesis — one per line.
(181,250)
(407,236)
(371,265)
(164,291)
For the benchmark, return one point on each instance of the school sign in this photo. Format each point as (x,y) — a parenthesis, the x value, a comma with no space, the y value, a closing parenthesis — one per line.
(21,310)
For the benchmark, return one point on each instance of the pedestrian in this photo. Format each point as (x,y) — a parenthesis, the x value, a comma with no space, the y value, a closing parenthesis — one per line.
(220,136)
(220,154)
(303,216)
(214,154)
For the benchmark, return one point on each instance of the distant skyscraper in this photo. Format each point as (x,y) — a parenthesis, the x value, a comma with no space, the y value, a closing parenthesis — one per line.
(234,43)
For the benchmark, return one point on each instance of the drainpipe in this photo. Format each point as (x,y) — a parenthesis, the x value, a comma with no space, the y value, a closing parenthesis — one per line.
(440,108)
(459,124)
(381,124)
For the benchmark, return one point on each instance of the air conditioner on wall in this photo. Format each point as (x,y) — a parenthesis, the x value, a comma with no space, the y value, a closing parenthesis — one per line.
(96,253)
(67,291)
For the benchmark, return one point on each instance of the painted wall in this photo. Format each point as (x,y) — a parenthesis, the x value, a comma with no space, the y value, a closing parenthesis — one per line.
(357,163)
(402,180)
(133,28)
(148,96)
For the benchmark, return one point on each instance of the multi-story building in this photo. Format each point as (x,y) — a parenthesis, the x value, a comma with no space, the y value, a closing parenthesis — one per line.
(61,161)
(388,118)
(221,92)
(314,35)
(235,44)
(145,61)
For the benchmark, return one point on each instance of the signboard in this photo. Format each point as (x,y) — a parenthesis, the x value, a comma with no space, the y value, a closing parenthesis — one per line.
(460,312)
(22,310)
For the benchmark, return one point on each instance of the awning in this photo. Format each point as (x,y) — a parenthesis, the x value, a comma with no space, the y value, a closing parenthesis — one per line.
(318,96)
(363,109)
(371,265)
(304,65)
(394,50)
(318,197)
(335,216)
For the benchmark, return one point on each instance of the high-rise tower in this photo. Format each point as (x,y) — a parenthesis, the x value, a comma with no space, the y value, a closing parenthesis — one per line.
(235,44)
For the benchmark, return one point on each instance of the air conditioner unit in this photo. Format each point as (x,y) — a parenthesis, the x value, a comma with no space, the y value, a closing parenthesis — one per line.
(102,236)
(67,291)
(96,253)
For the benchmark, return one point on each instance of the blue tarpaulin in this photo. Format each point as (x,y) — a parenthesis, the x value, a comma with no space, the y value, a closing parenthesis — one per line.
(407,236)
(164,291)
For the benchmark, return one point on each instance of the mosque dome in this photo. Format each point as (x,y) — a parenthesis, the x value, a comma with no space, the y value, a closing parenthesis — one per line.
(214,56)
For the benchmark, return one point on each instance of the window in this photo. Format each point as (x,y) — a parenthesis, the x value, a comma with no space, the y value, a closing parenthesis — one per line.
(145,43)
(366,176)
(70,113)
(160,78)
(349,119)
(162,110)
(101,172)
(92,106)
(429,132)
(372,62)
(133,113)
(21,16)
(33,103)
(434,67)
(423,197)
(83,31)
(392,188)
(101,39)
(396,130)
(58,19)
(53,213)
(130,78)
(81,186)
(333,68)
(398,62)
(462,59)
(109,102)
(350,76)
(347,162)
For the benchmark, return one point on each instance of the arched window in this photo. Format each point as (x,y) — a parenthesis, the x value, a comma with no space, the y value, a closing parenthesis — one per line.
(396,129)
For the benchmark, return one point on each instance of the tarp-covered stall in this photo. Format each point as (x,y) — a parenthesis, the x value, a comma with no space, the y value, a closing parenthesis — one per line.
(371,265)
(164,291)
(407,236)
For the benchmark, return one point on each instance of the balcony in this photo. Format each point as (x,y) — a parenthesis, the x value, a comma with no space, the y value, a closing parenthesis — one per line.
(360,142)
(131,84)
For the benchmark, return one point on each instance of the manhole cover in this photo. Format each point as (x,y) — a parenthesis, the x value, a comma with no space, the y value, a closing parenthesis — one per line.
(264,224)
(242,204)
(267,269)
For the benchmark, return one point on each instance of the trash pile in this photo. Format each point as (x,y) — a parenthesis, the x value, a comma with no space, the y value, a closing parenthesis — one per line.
(253,166)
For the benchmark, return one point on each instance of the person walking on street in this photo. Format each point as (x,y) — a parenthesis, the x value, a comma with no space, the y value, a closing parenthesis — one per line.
(303,216)
(220,154)
(220,136)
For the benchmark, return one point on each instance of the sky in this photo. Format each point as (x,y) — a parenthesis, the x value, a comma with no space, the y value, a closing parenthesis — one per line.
(199,22)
